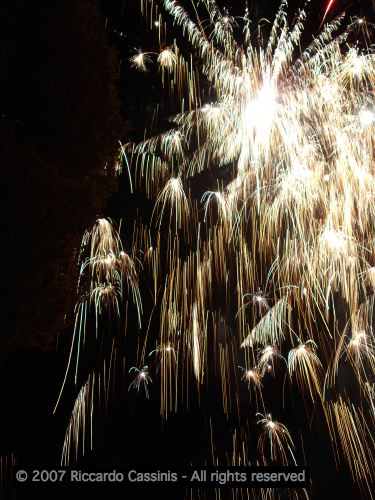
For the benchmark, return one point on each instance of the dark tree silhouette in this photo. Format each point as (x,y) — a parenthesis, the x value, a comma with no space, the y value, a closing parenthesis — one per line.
(59,129)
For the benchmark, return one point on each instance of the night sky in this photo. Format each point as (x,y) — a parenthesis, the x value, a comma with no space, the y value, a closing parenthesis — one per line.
(68,96)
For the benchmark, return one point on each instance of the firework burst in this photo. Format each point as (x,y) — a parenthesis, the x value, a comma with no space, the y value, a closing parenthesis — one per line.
(273,270)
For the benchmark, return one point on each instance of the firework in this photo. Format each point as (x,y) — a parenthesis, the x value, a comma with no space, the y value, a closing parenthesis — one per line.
(329,7)
(140,61)
(276,438)
(252,377)
(350,430)
(267,358)
(141,380)
(173,195)
(80,420)
(167,59)
(271,270)
(304,364)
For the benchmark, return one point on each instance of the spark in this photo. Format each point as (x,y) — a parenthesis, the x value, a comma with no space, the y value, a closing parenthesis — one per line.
(140,61)
(165,351)
(351,432)
(141,379)
(251,376)
(276,437)
(304,364)
(173,194)
(267,357)
(167,59)
(80,420)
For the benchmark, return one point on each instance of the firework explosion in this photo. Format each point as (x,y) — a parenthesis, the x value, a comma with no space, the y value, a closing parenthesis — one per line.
(267,280)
